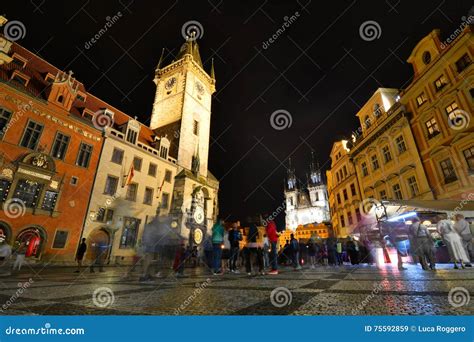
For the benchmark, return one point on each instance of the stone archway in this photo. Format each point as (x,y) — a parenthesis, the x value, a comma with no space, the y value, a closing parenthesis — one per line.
(35,239)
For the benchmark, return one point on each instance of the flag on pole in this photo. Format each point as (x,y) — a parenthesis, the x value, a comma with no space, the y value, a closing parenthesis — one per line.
(130,175)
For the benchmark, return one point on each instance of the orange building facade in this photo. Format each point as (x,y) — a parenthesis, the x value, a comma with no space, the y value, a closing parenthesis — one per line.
(49,151)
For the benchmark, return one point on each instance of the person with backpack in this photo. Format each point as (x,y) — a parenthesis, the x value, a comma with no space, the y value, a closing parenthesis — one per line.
(295,249)
(423,243)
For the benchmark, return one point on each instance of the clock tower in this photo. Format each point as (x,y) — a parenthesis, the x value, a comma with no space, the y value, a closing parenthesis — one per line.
(183,101)
(182,113)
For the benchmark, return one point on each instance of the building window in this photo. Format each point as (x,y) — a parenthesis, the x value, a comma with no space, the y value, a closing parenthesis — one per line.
(448,171)
(165,198)
(432,128)
(4,189)
(148,199)
(440,83)
(471,91)
(344,195)
(132,136)
(463,62)
(27,192)
(196,127)
(451,111)
(353,189)
(84,156)
(19,79)
(49,201)
(129,232)
(117,156)
(111,185)
(397,191)
(400,142)
(74,180)
(168,176)
(383,195)
(377,110)
(132,192)
(31,135)
(343,222)
(338,199)
(104,215)
(386,154)
(413,186)
(469,156)
(358,217)
(137,164)
(375,162)
(367,122)
(152,170)
(350,218)
(5,116)
(163,152)
(60,239)
(60,145)
(421,99)
(337,177)
(344,169)
(365,170)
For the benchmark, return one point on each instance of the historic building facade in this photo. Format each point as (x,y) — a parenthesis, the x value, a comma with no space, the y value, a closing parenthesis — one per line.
(306,204)
(344,190)
(440,99)
(73,166)
(48,156)
(417,143)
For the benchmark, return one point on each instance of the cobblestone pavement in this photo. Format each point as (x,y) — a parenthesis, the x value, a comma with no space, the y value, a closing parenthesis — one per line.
(347,290)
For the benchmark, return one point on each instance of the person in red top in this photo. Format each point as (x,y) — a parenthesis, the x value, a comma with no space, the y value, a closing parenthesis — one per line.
(272,234)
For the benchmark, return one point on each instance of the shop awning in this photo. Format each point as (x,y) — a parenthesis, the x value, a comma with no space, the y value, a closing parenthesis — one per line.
(435,205)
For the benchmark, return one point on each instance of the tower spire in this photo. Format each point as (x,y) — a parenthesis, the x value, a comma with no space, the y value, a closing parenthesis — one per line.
(213,73)
(161,59)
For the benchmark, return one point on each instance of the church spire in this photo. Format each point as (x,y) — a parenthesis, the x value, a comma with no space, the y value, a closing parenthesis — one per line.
(315,172)
(190,47)
(291,180)
(158,67)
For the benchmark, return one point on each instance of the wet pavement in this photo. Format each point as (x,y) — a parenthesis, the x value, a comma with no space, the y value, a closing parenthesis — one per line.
(346,290)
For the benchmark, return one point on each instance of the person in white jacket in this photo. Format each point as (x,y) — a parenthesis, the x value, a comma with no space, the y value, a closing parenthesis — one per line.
(453,241)
(5,254)
(463,229)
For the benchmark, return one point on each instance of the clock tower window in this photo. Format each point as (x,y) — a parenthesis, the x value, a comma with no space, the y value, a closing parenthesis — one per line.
(196,127)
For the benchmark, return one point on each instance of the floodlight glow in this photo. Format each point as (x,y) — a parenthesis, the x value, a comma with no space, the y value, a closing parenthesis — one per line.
(402,216)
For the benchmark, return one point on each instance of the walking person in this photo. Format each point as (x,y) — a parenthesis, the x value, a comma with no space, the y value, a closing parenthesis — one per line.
(179,260)
(208,248)
(324,254)
(5,254)
(295,248)
(353,251)
(312,251)
(81,251)
(272,234)
(266,252)
(339,252)
(217,241)
(461,226)
(454,243)
(20,256)
(234,239)
(252,252)
(423,242)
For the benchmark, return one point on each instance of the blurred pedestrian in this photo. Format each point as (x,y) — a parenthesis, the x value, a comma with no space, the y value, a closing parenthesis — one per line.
(423,243)
(208,251)
(295,249)
(253,255)
(311,246)
(179,260)
(462,227)
(20,256)
(353,251)
(234,239)
(453,242)
(217,245)
(5,254)
(81,251)
(339,252)
(266,252)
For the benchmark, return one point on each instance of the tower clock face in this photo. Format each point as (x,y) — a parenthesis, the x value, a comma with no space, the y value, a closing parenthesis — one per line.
(170,83)
(199,215)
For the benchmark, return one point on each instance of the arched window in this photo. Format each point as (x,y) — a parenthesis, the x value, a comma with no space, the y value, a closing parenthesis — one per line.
(60,99)
(367,121)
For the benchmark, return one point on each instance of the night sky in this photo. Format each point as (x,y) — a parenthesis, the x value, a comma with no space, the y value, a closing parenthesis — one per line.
(320,70)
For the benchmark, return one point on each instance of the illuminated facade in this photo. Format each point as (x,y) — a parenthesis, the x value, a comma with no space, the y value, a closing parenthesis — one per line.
(344,190)
(306,204)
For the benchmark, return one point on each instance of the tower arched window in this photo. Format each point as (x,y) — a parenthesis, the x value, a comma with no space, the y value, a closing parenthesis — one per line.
(367,121)
(60,99)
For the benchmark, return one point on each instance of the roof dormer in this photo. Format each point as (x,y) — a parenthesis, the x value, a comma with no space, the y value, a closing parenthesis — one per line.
(132,131)
(63,90)
(425,52)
